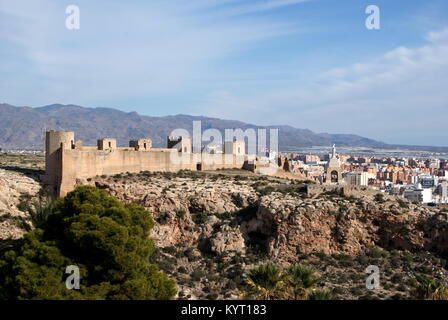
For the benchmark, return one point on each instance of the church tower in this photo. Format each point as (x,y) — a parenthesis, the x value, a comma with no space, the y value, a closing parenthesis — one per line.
(333,169)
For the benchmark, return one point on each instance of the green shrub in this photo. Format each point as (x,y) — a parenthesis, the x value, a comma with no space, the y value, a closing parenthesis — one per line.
(41,212)
(182,270)
(199,218)
(107,240)
(170,249)
(212,296)
(180,214)
(321,294)
(375,253)
(163,218)
(224,216)
(379,197)
(23,206)
(265,282)
(403,204)
(197,275)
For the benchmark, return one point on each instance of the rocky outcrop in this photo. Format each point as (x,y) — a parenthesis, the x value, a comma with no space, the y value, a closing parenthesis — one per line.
(283,224)
(227,241)
(210,228)
(175,202)
(293,226)
(13,187)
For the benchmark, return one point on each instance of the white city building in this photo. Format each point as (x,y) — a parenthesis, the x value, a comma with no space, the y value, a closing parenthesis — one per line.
(419,195)
(357,178)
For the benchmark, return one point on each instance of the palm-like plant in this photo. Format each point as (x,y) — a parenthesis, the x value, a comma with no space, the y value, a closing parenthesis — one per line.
(300,279)
(265,281)
(430,289)
(321,294)
(41,211)
(441,293)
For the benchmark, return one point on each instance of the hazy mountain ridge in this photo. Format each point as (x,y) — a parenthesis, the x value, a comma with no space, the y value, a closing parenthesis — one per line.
(23,127)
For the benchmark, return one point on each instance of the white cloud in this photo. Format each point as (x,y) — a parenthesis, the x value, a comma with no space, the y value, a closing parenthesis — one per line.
(163,48)
(400,97)
(438,36)
(264,6)
(122,49)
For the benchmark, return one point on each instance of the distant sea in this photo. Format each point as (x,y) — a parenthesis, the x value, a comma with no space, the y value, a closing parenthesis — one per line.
(360,151)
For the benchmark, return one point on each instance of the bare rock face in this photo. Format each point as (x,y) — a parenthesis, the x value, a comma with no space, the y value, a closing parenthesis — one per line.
(292,225)
(212,201)
(13,185)
(227,241)
(175,229)
(174,202)
(435,232)
(283,224)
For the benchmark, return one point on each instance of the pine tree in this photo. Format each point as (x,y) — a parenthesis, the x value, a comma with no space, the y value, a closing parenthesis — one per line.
(107,240)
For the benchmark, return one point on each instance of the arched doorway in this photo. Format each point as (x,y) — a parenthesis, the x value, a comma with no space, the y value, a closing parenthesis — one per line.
(334,176)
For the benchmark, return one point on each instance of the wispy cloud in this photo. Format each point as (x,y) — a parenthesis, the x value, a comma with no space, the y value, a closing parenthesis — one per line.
(261,6)
(121,49)
(251,60)
(399,97)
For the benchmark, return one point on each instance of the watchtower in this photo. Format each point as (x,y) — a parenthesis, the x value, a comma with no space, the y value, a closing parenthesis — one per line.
(182,144)
(235,147)
(54,142)
(107,144)
(141,144)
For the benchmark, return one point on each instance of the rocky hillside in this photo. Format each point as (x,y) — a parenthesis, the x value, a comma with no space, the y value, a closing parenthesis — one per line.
(277,214)
(212,227)
(19,185)
(23,127)
(15,190)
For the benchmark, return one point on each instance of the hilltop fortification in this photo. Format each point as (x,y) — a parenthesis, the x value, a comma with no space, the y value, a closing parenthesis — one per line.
(68,160)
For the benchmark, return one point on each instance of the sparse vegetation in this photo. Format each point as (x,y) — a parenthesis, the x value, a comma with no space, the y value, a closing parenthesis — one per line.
(199,218)
(379,197)
(427,288)
(267,281)
(41,211)
(203,274)
(403,204)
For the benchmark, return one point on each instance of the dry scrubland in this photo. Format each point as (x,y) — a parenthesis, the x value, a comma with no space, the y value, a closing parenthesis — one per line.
(213,227)
(19,185)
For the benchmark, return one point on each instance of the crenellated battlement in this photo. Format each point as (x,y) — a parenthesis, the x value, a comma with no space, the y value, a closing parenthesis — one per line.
(69,161)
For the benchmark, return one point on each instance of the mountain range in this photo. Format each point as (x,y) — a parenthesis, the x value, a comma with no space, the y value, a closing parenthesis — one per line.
(24,127)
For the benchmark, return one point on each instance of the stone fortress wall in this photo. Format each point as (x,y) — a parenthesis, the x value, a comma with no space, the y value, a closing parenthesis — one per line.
(67,160)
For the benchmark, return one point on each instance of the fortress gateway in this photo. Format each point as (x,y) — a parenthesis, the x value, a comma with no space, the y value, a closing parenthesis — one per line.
(68,162)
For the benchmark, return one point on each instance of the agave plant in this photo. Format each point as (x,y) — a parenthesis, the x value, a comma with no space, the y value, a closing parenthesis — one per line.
(300,279)
(265,282)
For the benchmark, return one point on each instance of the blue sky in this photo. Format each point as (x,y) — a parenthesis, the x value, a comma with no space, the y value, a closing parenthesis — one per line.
(310,64)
